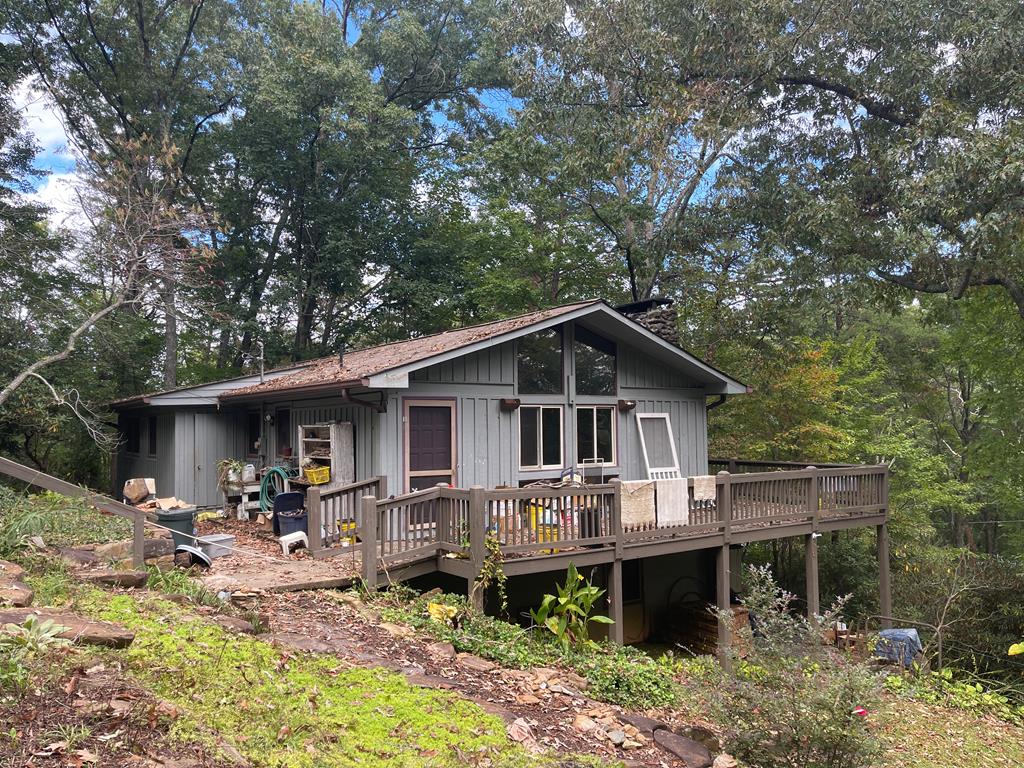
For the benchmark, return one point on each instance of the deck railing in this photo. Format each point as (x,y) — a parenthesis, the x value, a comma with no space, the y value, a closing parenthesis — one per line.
(538,520)
(335,511)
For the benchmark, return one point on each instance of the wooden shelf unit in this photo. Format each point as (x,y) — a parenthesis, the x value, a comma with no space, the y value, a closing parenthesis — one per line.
(329,445)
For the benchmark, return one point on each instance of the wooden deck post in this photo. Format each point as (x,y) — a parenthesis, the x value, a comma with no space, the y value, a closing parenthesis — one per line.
(314,520)
(369,536)
(477,541)
(722,585)
(139,541)
(813,505)
(724,504)
(811,563)
(616,631)
(884,583)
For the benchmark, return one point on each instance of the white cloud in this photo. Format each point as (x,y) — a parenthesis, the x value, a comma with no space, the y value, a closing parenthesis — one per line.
(58,193)
(41,118)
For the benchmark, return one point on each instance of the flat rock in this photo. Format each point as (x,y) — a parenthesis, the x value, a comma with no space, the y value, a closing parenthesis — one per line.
(691,752)
(645,725)
(110,578)
(397,630)
(77,629)
(298,642)
(475,663)
(583,723)
(76,556)
(234,624)
(16,593)
(11,571)
(441,650)
(725,761)
(421,680)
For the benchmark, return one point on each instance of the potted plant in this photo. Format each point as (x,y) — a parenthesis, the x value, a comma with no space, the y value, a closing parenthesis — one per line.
(229,473)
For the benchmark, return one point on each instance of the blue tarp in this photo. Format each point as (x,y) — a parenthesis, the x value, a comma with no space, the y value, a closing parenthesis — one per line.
(899,645)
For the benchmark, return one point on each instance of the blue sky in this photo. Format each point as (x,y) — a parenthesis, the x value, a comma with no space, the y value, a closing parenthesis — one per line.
(40,118)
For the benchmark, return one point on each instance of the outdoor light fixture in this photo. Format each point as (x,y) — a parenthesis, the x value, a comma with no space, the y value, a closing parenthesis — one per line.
(509,403)
(627,405)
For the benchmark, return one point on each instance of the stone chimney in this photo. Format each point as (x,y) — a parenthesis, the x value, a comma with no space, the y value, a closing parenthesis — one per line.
(656,315)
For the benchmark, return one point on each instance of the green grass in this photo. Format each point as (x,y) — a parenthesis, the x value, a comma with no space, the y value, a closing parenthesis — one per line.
(295,711)
(66,522)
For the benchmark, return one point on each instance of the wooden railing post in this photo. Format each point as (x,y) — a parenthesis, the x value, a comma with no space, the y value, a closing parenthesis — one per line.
(477,541)
(139,541)
(725,505)
(444,515)
(723,588)
(314,521)
(733,466)
(616,632)
(382,487)
(369,536)
(813,505)
(884,582)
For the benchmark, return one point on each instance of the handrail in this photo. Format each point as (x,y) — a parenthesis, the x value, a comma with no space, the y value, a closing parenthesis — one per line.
(47,482)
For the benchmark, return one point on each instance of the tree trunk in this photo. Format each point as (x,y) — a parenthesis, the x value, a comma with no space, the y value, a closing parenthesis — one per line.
(170,334)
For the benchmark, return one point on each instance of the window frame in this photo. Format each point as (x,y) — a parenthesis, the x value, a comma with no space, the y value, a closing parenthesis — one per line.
(251,451)
(588,338)
(594,407)
(541,466)
(133,434)
(655,473)
(151,436)
(561,335)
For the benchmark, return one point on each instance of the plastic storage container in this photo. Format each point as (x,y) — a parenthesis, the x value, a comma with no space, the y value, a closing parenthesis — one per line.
(318,475)
(216,544)
(182,523)
(291,522)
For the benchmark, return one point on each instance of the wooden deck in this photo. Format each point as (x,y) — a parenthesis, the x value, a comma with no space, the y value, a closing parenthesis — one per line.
(542,528)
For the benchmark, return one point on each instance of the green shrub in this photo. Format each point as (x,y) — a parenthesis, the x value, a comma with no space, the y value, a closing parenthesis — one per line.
(791,702)
(19,521)
(20,644)
(625,676)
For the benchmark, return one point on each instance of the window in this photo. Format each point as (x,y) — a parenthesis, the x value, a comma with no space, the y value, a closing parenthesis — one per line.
(283,422)
(658,445)
(595,434)
(132,438)
(253,433)
(540,437)
(539,363)
(595,363)
(151,435)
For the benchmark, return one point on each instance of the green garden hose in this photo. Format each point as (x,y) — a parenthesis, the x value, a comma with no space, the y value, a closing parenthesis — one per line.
(274,481)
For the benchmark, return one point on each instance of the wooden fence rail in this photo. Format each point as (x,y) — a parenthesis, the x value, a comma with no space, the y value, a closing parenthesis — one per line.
(39,479)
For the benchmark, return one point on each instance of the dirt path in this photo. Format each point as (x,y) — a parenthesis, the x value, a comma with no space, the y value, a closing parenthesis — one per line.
(550,701)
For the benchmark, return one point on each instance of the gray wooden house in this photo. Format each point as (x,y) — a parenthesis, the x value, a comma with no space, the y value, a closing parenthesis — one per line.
(497,404)
(437,442)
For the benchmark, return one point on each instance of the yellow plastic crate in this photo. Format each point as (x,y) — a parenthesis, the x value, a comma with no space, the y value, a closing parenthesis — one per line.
(317,475)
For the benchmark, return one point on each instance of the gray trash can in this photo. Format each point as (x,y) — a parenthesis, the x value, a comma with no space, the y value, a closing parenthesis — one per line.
(182,523)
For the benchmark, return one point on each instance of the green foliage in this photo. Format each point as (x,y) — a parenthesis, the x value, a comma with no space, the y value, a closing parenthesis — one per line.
(956,689)
(790,702)
(620,675)
(19,521)
(567,614)
(20,644)
(282,709)
(179,582)
(625,676)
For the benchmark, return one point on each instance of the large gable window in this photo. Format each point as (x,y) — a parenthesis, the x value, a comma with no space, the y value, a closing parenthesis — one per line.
(595,435)
(539,363)
(540,437)
(595,363)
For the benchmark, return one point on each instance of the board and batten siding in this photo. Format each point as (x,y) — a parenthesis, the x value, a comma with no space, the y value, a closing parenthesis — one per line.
(365,430)
(160,466)
(201,439)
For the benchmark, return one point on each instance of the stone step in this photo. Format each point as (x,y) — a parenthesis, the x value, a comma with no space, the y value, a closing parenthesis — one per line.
(77,628)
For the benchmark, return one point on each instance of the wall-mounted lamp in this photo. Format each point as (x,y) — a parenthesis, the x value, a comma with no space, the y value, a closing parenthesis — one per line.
(509,403)
(268,417)
(627,405)
(815,535)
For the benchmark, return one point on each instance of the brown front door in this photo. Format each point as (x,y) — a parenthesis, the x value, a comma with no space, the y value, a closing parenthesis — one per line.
(430,444)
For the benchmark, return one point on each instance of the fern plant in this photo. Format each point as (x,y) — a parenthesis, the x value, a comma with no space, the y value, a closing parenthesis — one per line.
(567,614)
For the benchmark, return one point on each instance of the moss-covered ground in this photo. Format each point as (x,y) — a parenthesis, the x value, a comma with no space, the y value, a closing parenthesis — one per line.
(299,711)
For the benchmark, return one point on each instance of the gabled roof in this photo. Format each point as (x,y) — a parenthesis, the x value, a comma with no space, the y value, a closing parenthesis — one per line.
(389,365)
